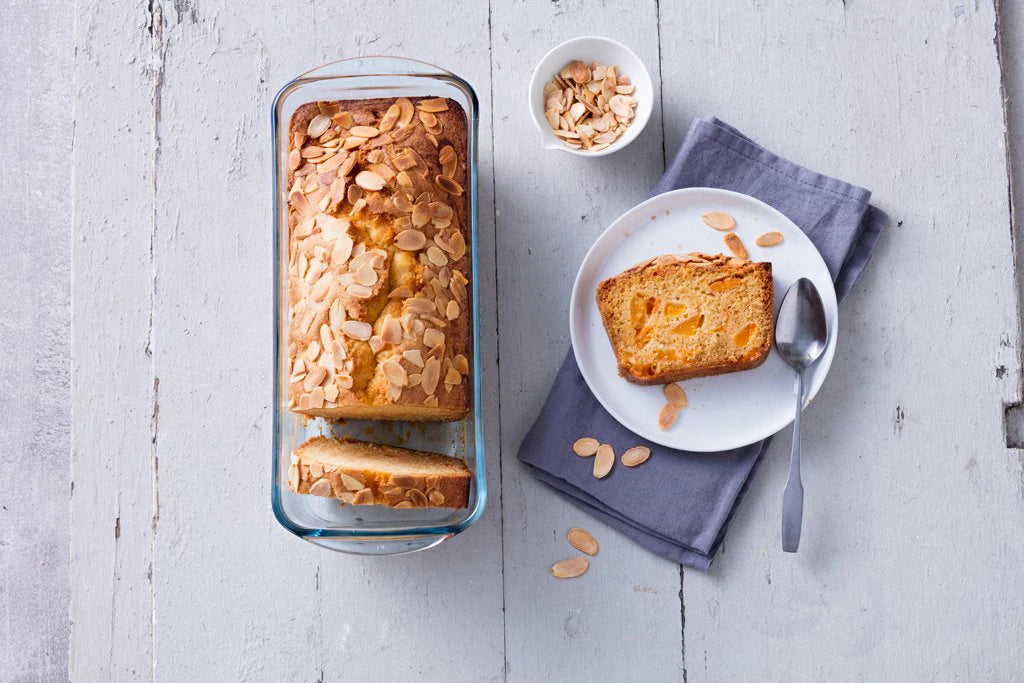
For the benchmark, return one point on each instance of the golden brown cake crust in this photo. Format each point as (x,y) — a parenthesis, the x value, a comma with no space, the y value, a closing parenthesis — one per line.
(682,316)
(360,473)
(379,260)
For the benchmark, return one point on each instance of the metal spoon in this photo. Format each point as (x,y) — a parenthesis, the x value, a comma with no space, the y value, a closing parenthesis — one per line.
(800,336)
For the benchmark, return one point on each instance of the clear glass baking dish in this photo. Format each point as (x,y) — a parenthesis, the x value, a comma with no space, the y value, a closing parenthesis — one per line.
(371,530)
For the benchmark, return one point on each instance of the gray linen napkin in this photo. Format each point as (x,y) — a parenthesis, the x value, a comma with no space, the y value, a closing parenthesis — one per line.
(679,504)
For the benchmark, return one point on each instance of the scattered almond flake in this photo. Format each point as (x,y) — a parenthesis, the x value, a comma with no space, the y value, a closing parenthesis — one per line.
(318,126)
(769,239)
(436,497)
(368,180)
(312,351)
(294,159)
(430,401)
(637,455)
(364,131)
(415,357)
(571,568)
(421,214)
(675,395)
(585,447)
(667,416)
(357,207)
(314,378)
(735,245)
(433,105)
(461,364)
(351,483)
(582,540)
(718,220)
(331,393)
(603,461)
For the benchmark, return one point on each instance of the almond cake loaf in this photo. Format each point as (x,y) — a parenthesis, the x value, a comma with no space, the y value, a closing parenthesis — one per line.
(378,263)
(681,316)
(362,473)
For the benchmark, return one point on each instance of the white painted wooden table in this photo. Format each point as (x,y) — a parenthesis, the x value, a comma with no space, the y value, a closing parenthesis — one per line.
(912,558)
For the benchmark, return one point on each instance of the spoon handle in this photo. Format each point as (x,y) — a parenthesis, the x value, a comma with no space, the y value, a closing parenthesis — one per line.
(793,496)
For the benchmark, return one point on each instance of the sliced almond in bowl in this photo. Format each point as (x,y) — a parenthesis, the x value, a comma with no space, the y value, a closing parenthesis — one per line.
(570,568)
(582,540)
(585,447)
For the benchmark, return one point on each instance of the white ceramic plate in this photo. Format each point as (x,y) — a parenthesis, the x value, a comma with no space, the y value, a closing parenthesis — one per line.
(726,411)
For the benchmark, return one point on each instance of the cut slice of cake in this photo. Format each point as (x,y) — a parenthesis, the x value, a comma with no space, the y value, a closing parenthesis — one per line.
(363,473)
(680,316)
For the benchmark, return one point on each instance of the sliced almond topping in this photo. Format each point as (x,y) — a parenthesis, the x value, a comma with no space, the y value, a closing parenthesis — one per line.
(571,568)
(352,141)
(366,275)
(428,119)
(452,310)
(359,291)
(636,455)
(316,398)
(312,351)
(675,395)
(406,481)
(321,487)
(585,447)
(363,497)
(368,180)
(421,214)
(461,364)
(718,220)
(437,257)
(343,119)
(403,504)
(433,338)
(357,329)
(448,185)
(364,131)
(406,111)
(436,497)
(603,461)
(391,330)
(318,126)
(667,416)
(769,239)
(415,357)
(394,371)
(452,377)
(735,245)
(331,392)
(434,105)
(417,498)
(294,159)
(400,292)
(431,375)
(314,377)
(351,483)
(582,540)
(390,118)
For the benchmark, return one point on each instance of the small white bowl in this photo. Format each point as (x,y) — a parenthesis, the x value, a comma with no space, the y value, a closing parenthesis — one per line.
(592,49)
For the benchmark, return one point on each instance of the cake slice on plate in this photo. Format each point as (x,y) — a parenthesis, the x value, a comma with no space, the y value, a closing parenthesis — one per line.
(681,316)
